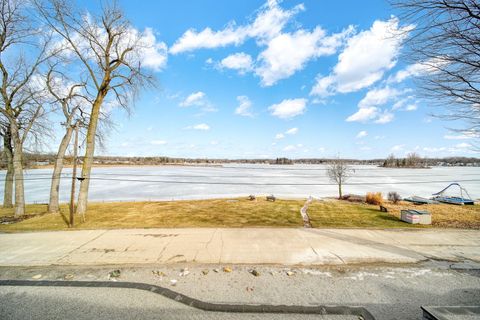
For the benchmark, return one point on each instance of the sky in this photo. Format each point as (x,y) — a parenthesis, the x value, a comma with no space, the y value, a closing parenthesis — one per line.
(267,79)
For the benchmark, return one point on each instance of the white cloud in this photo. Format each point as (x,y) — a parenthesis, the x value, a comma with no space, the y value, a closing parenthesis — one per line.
(385,117)
(398,147)
(158,142)
(288,108)
(194,99)
(270,20)
(292,131)
(244,106)
(362,134)
(365,59)
(369,106)
(378,97)
(289,52)
(241,62)
(289,148)
(153,53)
(457,137)
(279,136)
(463,145)
(198,99)
(200,126)
(417,69)
(363,114)
(411,107)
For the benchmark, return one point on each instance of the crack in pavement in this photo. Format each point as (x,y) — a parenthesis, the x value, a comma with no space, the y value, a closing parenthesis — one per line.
(82,245)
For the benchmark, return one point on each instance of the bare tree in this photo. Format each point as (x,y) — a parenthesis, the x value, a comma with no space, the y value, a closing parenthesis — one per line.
(8,155)
(445,49)
(338,172)
(69,97)
(21,101)
(108,50)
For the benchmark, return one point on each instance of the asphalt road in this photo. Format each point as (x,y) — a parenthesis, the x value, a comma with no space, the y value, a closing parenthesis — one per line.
(388,292)
(107,303)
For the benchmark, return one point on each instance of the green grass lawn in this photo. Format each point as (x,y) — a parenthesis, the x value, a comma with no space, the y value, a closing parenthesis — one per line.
(240,213)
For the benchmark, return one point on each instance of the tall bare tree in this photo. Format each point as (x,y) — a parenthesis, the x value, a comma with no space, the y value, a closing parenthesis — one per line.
(445,49)
(108,50)
(69,97)
(23,50)
(338,171)
(8,158)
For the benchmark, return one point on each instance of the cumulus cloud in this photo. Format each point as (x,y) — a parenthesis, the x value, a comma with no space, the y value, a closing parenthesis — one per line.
(279,136)
(241,62)
(362,134)
(285,52)
(288,108)
(417,69)
(198,99)
(153,53)
(194,99)
(244,107)
(292,131)
(369,108)
(365,58)
(200,126)
(288,53)
(270,20)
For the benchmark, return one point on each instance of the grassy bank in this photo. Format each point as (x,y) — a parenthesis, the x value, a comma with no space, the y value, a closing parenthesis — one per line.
(240,213)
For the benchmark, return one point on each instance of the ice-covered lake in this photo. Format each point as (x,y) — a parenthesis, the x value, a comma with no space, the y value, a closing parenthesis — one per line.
(192,182)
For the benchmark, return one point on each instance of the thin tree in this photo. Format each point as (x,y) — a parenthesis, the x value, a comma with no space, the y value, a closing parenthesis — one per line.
(108,50)
(444,48)
(69,97)
(338,171)
(8,158)
(23,50)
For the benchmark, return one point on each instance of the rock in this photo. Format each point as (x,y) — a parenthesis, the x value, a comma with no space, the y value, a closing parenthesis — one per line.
(216,270)
(227,269)
(254,272)
(68,276)
(249,289)
(184,272)
(290,273)
(205,272)
(158,273)
(173,282)
(114,274)
(37,276)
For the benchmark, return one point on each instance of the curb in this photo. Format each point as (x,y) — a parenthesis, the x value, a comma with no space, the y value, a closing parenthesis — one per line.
(198,304)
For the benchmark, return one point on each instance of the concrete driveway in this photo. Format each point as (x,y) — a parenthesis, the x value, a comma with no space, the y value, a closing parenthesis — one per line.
(286,246)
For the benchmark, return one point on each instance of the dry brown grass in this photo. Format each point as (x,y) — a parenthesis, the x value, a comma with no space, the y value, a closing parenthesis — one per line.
(374,198)
(443,215)
(198,213)
(243,213)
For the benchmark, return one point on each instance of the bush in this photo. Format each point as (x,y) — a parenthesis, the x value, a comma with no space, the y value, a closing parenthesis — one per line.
(374,198)
(394,197)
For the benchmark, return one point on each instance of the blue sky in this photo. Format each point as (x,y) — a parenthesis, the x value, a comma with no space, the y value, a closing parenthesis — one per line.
(257,79)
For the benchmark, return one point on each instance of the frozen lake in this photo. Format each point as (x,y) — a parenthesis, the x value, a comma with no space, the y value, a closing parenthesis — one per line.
(297,181)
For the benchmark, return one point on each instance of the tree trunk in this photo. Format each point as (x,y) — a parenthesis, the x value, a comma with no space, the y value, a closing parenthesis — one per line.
(339,191)
(8,190)
(53,204)
(89,153)
(18,171)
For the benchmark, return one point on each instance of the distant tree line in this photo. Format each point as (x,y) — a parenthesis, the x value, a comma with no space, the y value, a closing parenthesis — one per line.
(413,160)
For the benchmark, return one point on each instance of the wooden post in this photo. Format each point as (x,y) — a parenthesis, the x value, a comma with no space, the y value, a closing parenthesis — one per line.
(74,177)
